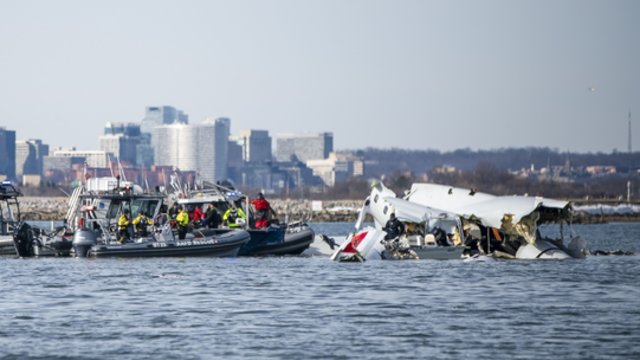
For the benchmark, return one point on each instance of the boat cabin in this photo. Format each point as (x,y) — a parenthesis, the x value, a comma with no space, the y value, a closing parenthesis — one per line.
(9,207)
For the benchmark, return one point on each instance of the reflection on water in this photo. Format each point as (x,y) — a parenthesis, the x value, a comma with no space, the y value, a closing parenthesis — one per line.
(295,307)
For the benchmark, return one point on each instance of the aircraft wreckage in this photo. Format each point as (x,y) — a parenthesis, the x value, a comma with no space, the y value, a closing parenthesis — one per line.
(444,222)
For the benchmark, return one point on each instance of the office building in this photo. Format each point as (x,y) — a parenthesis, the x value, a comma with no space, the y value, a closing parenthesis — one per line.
(337,168)
(304,147)
(121,141)
(256,145)
(201,147)
(162,115)
(7,154)
(93,158)
(30,157)
(155,116)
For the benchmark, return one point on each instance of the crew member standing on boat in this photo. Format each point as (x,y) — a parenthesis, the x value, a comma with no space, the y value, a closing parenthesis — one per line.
(140,223)
(234,217)
(263,209)
(213,219)
(196,216)
(123,226)
(394,227)
(183,222)
(174,210)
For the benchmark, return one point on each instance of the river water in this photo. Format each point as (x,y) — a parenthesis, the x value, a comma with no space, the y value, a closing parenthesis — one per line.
(310,307)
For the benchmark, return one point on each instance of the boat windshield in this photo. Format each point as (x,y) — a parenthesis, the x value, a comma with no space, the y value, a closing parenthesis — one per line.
(149,206)
(135,206)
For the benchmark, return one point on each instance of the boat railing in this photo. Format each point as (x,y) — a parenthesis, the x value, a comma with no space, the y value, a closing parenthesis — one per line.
(73,204)
(102,226)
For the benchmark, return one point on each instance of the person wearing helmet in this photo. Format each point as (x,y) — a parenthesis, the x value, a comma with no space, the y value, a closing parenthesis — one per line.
(234,217)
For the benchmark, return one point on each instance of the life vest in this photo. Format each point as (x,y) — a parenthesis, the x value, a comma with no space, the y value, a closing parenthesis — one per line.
(123,222)
(260,204)
(183,218)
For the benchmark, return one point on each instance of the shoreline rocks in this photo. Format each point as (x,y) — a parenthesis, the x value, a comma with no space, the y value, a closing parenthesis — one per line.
(55,208)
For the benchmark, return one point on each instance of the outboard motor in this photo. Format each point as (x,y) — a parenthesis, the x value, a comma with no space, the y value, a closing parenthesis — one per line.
(83,240)
(24,240)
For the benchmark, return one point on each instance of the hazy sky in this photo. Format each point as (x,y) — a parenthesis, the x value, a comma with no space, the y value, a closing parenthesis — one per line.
(410,74)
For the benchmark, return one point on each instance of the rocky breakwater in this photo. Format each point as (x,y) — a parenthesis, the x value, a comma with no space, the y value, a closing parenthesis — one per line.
(43,208)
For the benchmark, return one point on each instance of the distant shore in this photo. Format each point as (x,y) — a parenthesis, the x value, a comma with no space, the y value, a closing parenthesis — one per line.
(55,208)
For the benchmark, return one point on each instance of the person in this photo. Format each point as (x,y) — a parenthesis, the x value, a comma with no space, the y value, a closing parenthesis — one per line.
(232,216)
(394,227)
(263,209)
(174,210)
(196,216)
(140,223)
(183,222)
(212,217)
(123,226)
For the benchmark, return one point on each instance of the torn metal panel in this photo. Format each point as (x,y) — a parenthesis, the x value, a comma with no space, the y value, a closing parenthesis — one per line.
(489,210)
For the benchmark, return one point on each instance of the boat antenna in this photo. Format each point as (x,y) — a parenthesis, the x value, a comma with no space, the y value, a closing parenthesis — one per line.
(121,170)
(110,164)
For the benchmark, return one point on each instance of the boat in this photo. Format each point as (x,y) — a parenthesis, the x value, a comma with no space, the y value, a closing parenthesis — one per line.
(163,243)
(430,233)
(276,239)
(9,216)
(31,241)
(92,219)
(505,226)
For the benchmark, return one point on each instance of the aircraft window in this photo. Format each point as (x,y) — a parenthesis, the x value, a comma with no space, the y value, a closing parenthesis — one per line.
(386,208)
(375,199)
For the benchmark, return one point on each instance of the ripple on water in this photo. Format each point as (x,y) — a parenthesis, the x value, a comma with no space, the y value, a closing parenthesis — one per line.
(313,308)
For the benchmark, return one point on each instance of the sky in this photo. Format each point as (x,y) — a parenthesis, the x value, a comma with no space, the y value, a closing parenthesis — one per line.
(439,75)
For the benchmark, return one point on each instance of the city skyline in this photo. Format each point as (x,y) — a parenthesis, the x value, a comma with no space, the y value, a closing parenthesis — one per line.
(409,74)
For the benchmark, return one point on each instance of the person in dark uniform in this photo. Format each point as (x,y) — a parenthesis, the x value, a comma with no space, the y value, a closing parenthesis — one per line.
(212,218)
(394,227)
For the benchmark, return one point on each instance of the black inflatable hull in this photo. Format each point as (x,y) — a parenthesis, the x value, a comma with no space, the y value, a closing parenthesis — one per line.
(294,243)
(274,240)
(224,245)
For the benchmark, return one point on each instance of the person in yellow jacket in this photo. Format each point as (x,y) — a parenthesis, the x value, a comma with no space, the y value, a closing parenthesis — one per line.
(183,222)
(140,223)
(234,217)
(123,226)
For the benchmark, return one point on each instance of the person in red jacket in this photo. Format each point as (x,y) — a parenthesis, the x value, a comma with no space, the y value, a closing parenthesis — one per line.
(263,209)
(196,216)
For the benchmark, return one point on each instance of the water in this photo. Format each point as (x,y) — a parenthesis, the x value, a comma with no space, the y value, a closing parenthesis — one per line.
(292,307)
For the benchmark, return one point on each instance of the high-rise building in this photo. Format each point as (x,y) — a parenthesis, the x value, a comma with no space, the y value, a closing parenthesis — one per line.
(122,141)
(256,145)
(304,147)
(155,116)
(7,154)
(200,147)
(30,156)
(162,115)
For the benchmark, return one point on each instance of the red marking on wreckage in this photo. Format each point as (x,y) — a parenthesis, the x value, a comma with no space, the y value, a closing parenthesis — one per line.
(353,244)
